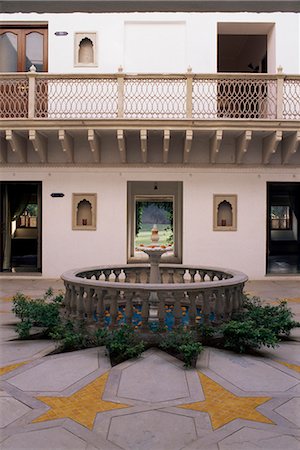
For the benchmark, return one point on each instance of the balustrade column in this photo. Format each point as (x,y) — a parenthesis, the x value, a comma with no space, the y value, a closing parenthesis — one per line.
(279,105)
(121,84)
(31,92)
(145,312)
(219,305)
(73,303)
(192,308)
(80,304)
(100,294)
(89,307)
(67,301)
(189,94)
(129,307)
(113,308)
(206,306)
(177,308)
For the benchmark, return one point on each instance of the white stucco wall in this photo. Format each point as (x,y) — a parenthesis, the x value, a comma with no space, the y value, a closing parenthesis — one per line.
(195,45)
(63,248)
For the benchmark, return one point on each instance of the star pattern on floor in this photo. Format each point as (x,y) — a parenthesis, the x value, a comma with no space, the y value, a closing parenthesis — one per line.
(11,367)
(82,406)
(294,367)
(223,406)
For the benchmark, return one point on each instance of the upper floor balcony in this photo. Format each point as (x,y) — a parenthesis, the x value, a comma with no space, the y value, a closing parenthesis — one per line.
(119,96)
(177,119)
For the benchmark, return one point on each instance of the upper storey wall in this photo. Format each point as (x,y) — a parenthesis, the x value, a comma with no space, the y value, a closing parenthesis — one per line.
(162,42)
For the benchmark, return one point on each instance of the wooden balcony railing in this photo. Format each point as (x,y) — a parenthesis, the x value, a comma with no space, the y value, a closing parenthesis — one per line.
(119,96)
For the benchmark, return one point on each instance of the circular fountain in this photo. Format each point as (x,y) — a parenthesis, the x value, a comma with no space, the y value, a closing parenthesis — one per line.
(140,294)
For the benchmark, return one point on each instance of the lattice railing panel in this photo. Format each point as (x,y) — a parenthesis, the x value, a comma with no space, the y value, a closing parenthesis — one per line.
(155,98)
(291,99)
(234,98)
(14,98)
(75,98)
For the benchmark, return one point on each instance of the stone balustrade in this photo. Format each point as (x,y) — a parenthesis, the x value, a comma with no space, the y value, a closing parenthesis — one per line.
(110,295)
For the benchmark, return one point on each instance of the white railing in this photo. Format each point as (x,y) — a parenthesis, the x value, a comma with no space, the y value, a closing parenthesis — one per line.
(120,96)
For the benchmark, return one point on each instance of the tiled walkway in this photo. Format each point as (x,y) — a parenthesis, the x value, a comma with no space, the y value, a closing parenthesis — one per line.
(77,401)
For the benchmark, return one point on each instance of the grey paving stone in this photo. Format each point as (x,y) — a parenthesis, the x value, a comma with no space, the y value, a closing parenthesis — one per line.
(249,373)
(50,439)
(291,410)
(57,374)
(23,350)
(287,351)
(152,430)
(253,439)
(10,410)
(153,379)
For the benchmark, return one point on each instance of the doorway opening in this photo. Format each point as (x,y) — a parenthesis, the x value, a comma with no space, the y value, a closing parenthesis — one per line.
(21,226)
(283,228)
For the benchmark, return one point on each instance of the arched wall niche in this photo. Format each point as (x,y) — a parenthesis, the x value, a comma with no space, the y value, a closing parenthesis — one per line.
(84,211)
(85,49)
(225,212)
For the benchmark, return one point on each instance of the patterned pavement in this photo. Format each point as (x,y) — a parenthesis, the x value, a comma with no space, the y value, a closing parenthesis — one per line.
(78,401)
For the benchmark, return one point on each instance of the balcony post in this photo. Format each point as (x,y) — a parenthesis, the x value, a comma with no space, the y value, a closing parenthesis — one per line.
(31,92)
(189,93)
(120,76)
(280,81)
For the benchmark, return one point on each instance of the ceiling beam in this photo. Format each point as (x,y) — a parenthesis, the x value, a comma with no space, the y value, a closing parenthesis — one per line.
(40,144)
(67,144)
(289,146)
(122,145)
(17,144)
(215,144)
(166,145)
(241,145)
(143,137)
(187,145)
(95,145)
(270,144)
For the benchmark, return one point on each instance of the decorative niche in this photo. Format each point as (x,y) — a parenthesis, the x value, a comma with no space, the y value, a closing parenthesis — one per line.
(85,49)
(225,212)
(84,211)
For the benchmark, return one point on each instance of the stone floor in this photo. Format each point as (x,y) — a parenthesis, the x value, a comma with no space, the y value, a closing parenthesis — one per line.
(77,401)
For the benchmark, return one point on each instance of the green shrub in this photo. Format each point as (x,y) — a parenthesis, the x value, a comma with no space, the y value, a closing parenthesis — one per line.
(279,318)
(184,342)
(258,325)
(190,352)
(172,340)
(122,343)
(241,335)
(40,312)
(71,338)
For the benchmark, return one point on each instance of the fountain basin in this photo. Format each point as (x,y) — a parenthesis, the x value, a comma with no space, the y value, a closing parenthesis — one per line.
(213,294)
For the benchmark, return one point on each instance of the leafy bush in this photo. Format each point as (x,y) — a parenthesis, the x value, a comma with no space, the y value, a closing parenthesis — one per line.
(71,338)
(258,325)
(42,312)
(241,335)
(190,352)
(182,341)
(122,344)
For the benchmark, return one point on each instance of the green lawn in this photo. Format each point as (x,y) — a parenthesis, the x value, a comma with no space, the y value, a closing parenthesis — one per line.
(144,236)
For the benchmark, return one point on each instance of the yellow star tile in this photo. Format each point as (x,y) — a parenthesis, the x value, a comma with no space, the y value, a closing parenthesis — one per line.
(6,369)
(290,366)
(223,406)
(82,406)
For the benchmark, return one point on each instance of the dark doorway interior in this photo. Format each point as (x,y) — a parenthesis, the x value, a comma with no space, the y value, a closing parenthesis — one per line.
(20,227)
(283,255)
(242,53)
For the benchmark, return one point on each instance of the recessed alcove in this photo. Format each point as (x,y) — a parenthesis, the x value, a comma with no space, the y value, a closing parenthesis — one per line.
(225,213)
(85,49)
(84,211)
